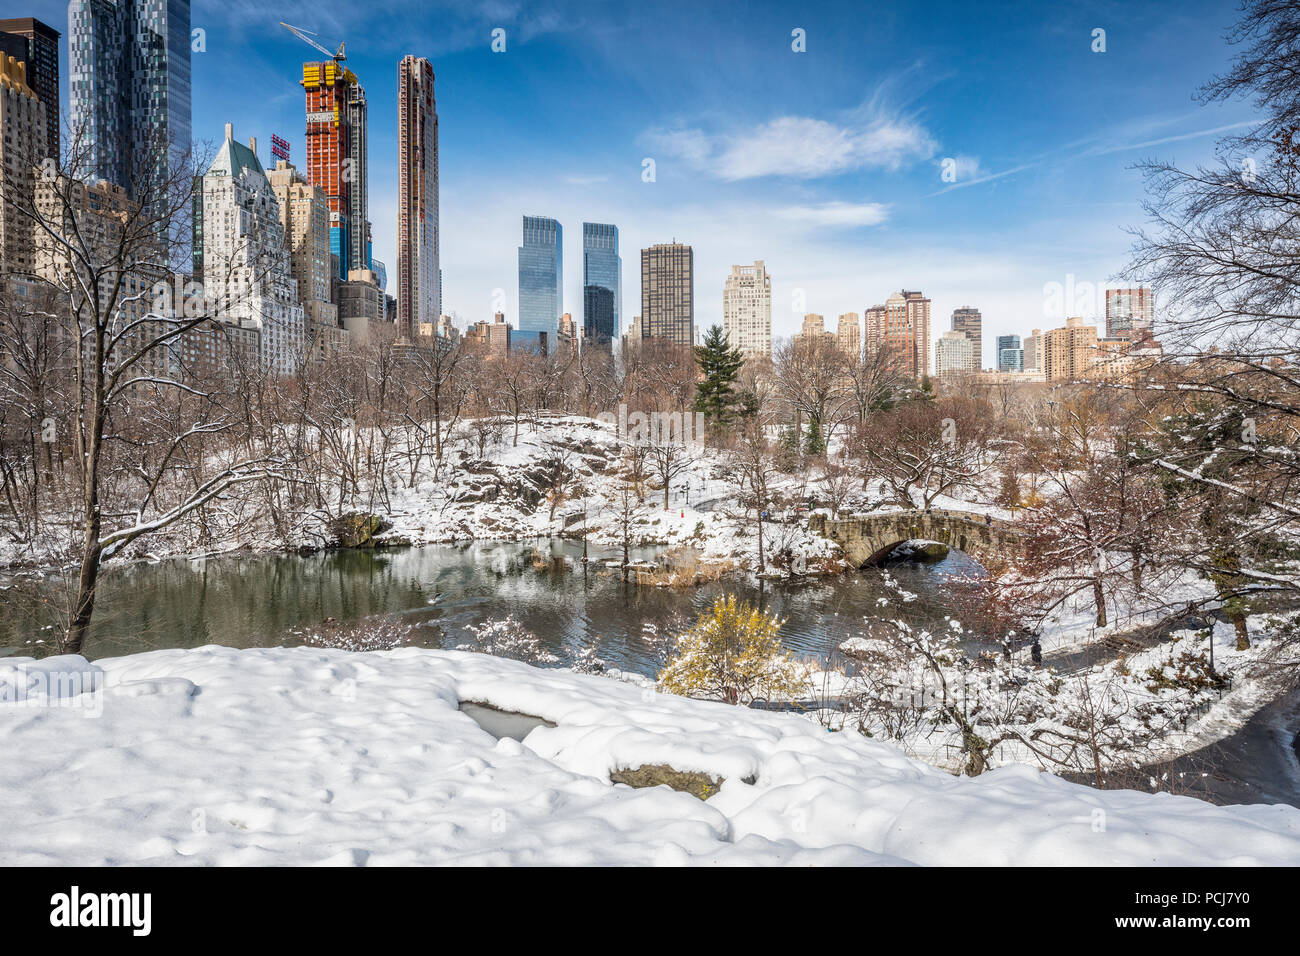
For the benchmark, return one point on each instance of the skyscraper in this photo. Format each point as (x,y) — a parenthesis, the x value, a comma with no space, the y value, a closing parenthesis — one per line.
(337,158)
(1009,351)
(541,283)
(813,334)
(1130,313)
(305,217)
(418,290)
(968,321)
(242,256)
(952,354)
(668,293)
(1068,353)
(901,328)
(1033,351)
(23,121)
(849,336)
(129,85)
(36,45)
(602,282)
(747,310)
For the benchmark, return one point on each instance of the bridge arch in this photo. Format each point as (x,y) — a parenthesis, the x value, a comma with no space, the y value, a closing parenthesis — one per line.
(868,539)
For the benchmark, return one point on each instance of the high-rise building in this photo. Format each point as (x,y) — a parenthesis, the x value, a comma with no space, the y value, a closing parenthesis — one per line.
(632,339)
(1069,353)
(337,158)
(668,293)
(361,302)
(597,315)
(23,121)
(1011,360)
(541,283)
(952,354)
(901,329)
(36,46)
(968,321)
(129,86)
(1033,351)
(1010,344)
(747,309)
(240,253)
(875,320)
(1124,359)
(418,287)
(491,339)
(849,336)
(602,282)
(305,216)
(1130,313)
(97,212)
(813,333)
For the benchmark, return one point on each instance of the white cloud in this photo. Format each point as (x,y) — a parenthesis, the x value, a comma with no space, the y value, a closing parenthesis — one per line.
(688,144)
(798,146)
(838,214)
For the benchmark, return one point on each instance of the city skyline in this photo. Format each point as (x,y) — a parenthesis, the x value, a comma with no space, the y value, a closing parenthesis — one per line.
(838,229)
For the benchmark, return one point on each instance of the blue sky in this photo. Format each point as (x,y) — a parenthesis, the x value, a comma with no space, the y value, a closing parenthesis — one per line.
(827,164)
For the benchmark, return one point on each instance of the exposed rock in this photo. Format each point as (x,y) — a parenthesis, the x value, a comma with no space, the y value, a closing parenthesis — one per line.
(695,783)
(357,530)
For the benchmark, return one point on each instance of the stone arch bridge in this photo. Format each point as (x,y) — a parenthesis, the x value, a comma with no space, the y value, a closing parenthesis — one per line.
(868,539)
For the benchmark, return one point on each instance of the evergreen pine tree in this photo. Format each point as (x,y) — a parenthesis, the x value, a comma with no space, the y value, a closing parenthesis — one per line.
(814,444)
(719,364)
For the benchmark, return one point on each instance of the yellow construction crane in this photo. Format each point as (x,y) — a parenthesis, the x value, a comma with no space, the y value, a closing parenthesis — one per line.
(306,37)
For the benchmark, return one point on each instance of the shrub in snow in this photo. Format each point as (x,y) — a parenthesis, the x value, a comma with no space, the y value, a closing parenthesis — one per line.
(584,661)
(733,654)
(506,637)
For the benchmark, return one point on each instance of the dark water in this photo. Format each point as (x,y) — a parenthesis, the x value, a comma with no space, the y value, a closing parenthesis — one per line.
(440,591)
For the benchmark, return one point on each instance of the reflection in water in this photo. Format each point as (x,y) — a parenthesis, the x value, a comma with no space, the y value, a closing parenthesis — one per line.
(272,599)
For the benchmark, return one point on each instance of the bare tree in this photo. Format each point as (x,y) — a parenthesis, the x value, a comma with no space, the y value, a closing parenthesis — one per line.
(107,265)
(812,382)
(921,451)
(753,472)
(1220,253)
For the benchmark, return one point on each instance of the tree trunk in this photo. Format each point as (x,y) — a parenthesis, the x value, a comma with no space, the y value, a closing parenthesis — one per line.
(75,635)
(1099,599)
(1243,633)
(437,422)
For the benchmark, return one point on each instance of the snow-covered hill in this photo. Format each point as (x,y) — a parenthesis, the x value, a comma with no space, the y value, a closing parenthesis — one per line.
(294,756)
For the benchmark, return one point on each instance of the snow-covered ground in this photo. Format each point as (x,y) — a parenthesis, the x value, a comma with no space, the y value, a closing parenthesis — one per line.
(304,756)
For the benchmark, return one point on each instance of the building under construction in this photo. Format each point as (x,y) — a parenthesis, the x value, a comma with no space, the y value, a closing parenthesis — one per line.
(336,158)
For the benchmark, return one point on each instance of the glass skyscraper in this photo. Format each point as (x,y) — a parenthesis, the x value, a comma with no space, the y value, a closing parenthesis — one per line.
(1011,358)
(602,282)
(129,84)
(541,283)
